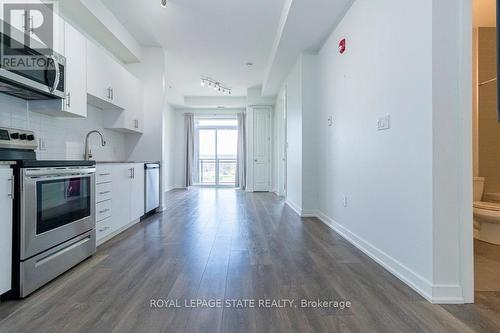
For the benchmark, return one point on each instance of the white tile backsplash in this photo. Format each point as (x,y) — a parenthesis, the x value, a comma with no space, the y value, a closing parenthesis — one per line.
(63,138)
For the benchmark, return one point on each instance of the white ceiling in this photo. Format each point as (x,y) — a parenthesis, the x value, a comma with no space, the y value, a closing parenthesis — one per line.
(214,38)
(304,26)
(484,13)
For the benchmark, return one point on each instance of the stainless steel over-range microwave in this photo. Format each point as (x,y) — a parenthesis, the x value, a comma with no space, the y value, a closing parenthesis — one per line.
(29,73)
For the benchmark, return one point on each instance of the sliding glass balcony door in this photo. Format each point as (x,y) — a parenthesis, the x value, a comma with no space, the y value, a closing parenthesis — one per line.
(217,152)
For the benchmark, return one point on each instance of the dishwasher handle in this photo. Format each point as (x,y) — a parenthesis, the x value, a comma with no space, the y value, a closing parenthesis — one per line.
(148,166)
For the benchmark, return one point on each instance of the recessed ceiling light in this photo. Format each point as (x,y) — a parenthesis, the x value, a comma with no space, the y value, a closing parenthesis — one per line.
(249,64)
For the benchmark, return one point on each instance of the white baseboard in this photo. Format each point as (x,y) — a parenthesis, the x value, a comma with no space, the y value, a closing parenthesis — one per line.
(439,294)
(447,294)
(308,213)
(301,212)
(168,189)
(294,207)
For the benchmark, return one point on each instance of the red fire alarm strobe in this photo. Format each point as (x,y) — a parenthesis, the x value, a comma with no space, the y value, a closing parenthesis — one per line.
(342,46)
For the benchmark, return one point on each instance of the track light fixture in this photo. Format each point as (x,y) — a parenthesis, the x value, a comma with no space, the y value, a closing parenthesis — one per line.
(216,85)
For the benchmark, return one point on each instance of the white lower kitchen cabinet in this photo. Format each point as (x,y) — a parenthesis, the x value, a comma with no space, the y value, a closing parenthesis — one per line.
(119,198)
(6,197)
(137,191)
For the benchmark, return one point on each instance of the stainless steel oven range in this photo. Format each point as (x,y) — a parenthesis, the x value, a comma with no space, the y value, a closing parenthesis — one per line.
(54,213)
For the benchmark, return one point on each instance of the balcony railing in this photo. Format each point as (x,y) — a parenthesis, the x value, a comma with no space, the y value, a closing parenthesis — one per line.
(217,172)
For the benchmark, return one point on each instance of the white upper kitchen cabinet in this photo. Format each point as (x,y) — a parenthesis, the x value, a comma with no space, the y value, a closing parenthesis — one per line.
(75,46)
(75,103)
(25,23)
(130,120)
(6,196)
(106,88)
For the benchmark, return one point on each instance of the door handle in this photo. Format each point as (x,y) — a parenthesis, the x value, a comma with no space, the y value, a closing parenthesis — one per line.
(131,175)
(12,190)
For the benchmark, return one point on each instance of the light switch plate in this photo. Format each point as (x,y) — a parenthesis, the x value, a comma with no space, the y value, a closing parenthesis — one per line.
(384,123)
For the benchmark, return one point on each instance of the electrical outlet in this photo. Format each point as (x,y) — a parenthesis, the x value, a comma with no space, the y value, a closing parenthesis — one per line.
(384,123)
(345,201)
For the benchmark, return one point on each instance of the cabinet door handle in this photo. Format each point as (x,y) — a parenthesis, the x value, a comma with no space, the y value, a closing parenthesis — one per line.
(131,173)
(112,94)
(12,190)
(104,211)
(136,123)
(105,192)
(103,229)
(68,100)
(31,25)
(104,174)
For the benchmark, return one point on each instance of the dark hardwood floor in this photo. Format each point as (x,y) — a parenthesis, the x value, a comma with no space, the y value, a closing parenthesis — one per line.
(227,244)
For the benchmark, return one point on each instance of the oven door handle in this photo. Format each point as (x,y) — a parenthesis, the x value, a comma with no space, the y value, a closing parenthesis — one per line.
(58,172)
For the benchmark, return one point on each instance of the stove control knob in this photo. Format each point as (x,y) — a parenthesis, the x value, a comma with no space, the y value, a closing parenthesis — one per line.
(31,137)
(14,136)
(22,137)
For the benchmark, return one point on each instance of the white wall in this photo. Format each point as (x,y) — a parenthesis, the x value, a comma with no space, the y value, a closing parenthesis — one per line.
(452,151)
(64,137)
(294,137)
(278,167)
(302,136)
(407,188)
(254,97)
(310,140)
(386,175)
(170,144)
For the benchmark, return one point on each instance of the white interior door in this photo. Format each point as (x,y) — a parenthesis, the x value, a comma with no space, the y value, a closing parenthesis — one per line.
(262,150)
(6,194)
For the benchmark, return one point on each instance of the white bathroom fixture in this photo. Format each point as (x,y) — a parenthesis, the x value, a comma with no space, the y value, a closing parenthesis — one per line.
(486,215)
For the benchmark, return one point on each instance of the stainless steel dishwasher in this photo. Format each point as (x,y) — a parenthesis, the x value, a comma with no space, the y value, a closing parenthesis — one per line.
(152,186)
